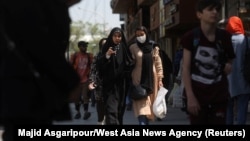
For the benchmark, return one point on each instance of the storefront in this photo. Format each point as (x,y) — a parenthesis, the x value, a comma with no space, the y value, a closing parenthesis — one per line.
(245,16)
(239,8)
(179,17)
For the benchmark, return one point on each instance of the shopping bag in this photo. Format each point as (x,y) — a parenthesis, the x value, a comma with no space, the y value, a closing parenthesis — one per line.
(159,106)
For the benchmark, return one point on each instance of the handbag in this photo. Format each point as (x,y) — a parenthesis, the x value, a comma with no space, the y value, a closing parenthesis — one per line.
(138,92)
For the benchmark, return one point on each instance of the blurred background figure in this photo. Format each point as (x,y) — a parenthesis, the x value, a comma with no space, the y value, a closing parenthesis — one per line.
(115,61)
(35,79)
(95,84)
(238,87)
(81,62)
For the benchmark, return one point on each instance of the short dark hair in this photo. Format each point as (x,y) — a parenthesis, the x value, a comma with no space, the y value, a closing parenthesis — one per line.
(82,44)
(202,4)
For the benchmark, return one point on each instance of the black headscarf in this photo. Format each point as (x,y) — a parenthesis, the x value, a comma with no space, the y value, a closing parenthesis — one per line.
(122,59)
(147,62)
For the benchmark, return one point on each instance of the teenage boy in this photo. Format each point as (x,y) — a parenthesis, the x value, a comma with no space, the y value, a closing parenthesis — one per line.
(207,60)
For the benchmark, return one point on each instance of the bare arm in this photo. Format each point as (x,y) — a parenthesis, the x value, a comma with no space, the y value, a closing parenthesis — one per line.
(192,103)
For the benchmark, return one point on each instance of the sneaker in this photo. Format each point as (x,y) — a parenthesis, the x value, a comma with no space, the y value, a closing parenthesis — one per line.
(78,115)
(86,115)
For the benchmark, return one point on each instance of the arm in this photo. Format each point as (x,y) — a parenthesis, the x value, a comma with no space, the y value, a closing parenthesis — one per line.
(92,75)
(158,66)
(92,70)
(192,103)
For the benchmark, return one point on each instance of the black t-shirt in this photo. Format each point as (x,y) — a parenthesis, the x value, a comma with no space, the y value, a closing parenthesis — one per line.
(206,67)
(207,71)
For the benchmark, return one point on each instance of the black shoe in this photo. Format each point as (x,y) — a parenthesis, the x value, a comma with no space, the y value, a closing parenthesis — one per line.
(158,119)
(129,107)
(184,109)
(78,115)
(86,115)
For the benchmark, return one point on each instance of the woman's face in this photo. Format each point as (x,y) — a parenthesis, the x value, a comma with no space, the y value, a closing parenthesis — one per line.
(117,37)
(139,33)
(140,36)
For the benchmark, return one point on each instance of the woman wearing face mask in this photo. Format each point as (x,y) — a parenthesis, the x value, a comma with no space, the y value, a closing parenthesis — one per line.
(146,58)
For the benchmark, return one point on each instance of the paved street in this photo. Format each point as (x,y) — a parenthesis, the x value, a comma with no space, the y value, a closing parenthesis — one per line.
(174,117)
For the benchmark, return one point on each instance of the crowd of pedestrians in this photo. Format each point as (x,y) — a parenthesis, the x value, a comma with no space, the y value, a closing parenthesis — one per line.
(211,65)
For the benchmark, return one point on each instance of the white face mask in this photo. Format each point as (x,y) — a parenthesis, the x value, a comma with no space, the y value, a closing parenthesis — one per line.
(141,39)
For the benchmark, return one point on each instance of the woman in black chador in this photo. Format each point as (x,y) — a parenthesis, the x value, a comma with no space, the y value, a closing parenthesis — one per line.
(115,62)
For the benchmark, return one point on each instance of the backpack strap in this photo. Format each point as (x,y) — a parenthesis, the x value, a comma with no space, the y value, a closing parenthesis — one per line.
(218,40)
(220,47)
(196,40)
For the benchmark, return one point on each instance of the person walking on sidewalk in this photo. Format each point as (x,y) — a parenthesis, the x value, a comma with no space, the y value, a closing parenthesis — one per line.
(238,87)
(147,72)
(115,61)
(81,62)
(95,84)
(207,60)
(36,80)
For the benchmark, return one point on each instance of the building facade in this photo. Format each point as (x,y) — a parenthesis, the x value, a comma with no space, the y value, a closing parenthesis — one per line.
(168,20)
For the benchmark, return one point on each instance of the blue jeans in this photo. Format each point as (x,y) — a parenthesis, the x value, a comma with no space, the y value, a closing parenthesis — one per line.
(240,104)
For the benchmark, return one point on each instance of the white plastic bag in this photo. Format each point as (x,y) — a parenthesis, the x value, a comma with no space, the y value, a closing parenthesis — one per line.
(159,106)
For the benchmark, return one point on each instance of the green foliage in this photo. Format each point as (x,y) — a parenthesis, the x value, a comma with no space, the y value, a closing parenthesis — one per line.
(80,30)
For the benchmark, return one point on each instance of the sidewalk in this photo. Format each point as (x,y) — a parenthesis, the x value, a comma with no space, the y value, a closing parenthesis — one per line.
(174,117)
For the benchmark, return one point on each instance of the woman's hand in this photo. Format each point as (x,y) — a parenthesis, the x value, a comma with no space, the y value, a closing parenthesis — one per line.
(160,84)
(110,52)
(91,86)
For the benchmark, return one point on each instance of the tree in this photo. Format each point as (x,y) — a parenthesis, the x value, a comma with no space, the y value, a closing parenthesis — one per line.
(80,30)
(77,29)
